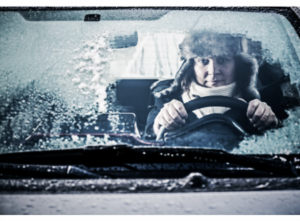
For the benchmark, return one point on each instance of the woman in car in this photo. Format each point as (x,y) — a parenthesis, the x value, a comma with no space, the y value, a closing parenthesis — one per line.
(214,64)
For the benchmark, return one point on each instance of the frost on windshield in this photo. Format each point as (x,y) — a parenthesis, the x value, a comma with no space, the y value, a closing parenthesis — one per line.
(89,65)
(100,132)
(60,77)
(284,140)
(51,77)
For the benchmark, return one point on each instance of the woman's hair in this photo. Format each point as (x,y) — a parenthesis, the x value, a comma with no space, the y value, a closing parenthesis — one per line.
(244,69)
(188,77)
(206,44)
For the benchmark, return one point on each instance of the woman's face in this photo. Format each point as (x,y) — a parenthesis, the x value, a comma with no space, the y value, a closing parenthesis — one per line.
(214,71)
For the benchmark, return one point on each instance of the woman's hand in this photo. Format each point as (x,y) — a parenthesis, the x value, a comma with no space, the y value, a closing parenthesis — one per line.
(171,116)
(261,115)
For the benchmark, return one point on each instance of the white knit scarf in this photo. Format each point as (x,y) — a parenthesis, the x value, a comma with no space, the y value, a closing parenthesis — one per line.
(199,91)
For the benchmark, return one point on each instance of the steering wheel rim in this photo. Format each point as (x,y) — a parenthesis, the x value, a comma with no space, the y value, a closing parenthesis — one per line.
(210,101)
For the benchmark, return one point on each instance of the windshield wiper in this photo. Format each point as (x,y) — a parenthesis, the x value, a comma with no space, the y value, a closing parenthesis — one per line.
(42,171)
(119,155)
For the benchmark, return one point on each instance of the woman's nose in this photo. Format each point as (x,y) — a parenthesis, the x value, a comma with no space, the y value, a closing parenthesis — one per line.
(212,68)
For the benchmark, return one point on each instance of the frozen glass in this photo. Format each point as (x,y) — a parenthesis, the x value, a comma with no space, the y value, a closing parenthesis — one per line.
(55,73)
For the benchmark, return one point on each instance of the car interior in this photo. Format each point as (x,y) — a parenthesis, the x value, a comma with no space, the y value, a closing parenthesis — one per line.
(134,95)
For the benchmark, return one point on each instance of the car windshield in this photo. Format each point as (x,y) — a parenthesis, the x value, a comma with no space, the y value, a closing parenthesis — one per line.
(72,78)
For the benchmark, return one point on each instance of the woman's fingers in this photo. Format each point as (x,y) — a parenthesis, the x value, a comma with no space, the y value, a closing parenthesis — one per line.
(265,119)
(166,121)
(166,114)
(171,116)
(178,106)
(160,121)
(174,113)
(261,115)
(271,121)
(255,111)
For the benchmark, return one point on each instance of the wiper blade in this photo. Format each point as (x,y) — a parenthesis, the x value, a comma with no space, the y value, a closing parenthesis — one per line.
(121,154)
(46,171)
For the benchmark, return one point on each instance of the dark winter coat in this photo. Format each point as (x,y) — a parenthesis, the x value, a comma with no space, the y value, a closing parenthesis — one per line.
(156,104)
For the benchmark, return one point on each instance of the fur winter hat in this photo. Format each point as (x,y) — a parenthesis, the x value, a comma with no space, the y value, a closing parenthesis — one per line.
(207,44)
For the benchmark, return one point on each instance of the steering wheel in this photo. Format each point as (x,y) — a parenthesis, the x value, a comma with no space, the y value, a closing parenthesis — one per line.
(211,101)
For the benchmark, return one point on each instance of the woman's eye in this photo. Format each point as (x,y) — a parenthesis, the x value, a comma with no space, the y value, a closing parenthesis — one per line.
(204,61)
(222,60)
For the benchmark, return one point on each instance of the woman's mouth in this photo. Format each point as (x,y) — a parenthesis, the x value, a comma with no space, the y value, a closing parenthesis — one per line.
(214,83)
